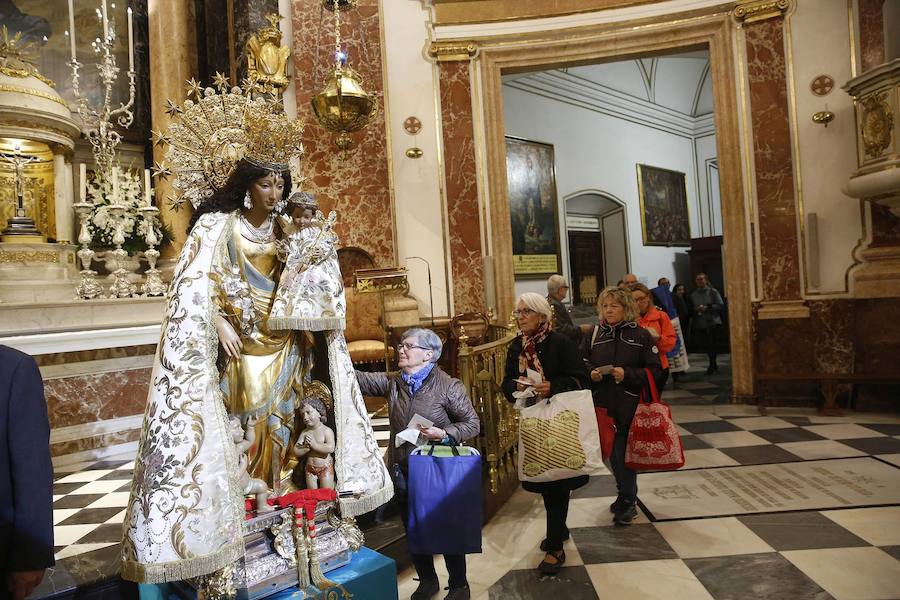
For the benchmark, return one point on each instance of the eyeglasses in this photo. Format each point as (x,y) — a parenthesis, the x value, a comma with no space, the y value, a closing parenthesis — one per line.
(640,298)
(408,347)
(522,312)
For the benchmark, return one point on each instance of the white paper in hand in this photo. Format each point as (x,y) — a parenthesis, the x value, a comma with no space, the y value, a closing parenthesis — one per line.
(411,433)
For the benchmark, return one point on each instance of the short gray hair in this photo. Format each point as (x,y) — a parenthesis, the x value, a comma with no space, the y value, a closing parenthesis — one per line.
(555,282)
(426,338)
(537,303)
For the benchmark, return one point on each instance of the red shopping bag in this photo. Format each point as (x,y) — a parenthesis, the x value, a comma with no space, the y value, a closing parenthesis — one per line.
(653,440)
(607,428)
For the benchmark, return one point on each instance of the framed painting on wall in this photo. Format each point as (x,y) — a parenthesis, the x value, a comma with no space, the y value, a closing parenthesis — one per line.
(533,208)
(664,208)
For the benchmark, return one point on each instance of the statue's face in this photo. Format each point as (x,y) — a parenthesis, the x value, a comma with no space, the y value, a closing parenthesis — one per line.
(267,190)
(311,416)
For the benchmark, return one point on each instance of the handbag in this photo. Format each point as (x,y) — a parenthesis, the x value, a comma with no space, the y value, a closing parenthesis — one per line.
(558,438)
(653,440)
(445,503)
(607,429)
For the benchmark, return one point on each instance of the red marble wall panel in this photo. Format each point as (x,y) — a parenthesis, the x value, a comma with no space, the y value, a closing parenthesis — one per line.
(871,33)
(773,161)
(462,192)
(90,398)
(356,185)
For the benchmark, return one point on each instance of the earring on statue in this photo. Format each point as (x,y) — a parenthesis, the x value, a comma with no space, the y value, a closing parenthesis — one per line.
(248,201)
(279,206)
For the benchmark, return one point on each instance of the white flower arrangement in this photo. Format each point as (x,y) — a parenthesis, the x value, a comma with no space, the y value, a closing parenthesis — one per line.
(102,225)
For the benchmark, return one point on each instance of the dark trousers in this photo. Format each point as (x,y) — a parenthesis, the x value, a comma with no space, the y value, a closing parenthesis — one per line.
(626,479)
(663,379)
(709,339)
(556,504)
(424,563)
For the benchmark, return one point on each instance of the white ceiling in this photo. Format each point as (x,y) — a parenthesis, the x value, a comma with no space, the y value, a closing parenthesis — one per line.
(678,82)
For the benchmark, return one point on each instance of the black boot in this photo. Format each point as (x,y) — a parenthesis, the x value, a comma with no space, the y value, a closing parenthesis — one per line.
(616,506)
(459,593)
(428,589)
(626,515)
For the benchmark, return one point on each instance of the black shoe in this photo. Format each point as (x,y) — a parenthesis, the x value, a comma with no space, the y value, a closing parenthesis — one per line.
(460,593)
(618,505)
(712,369)
(547,568)
(626,515)
(544,542)
(427,590)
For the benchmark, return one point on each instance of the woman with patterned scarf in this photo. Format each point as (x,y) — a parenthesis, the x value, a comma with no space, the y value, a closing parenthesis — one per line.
(557,359)
(619,351)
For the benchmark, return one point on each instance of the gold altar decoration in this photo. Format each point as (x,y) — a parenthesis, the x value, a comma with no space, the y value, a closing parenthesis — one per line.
(37,183)
(216,127)
(876,123)
(17,58)
(760,10)
(343,106)
(267,59)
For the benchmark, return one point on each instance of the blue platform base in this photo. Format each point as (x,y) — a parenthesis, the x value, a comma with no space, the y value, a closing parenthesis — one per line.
(369,576)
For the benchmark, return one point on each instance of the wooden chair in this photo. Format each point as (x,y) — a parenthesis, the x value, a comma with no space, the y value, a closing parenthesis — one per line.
(365,330)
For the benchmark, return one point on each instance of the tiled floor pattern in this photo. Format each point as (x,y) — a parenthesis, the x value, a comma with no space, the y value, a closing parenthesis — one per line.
(851,553)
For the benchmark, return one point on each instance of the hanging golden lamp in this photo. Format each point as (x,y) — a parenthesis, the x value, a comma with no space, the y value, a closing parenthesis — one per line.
(343,106)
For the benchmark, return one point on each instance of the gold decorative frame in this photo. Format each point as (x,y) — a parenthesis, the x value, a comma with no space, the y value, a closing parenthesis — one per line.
(643,170)
(594,43)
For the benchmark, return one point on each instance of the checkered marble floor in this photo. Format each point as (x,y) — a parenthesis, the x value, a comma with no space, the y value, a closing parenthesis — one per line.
(839,553)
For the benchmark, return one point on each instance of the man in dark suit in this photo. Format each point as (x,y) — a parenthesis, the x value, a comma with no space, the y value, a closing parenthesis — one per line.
(557,288)
(26,476)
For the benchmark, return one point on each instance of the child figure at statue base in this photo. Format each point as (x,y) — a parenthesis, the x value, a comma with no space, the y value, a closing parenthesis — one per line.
(316,443)
(242,443)
(310,294)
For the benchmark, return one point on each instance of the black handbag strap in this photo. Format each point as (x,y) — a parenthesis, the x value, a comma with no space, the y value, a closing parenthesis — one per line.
(453,448)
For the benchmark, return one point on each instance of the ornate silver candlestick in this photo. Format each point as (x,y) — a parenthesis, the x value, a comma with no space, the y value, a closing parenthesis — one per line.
(154,285)
(121,287)
(88,288)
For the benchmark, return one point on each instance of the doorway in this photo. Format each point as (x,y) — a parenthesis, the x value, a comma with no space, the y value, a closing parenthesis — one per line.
(517,53)
(586,265)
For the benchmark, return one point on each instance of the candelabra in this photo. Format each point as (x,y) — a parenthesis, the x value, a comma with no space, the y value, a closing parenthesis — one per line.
(121,287)
(99,121)
(88,288)
(154,285)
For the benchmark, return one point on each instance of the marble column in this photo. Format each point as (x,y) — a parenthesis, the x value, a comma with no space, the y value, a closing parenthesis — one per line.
(173,58)
(62,193)
(776,203)
(460,180)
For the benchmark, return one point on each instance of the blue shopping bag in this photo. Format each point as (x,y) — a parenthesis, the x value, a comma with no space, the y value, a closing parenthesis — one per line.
(445,512)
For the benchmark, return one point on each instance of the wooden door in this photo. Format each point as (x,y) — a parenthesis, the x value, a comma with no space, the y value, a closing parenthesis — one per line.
(586,265)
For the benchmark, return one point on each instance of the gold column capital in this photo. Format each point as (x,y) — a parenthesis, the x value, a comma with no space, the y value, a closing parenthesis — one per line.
(451,51)
(760,10)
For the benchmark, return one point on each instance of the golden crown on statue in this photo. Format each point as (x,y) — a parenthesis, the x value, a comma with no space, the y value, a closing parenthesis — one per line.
(272,139)
(216,127)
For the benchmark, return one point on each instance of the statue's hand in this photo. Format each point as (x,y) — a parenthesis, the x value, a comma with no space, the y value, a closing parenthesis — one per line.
(228,337)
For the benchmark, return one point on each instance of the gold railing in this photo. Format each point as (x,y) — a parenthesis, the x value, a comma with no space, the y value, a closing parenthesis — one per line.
(481,370)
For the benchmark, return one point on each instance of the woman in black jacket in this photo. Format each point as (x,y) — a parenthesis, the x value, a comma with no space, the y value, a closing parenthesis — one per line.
(618,352)
(557,359)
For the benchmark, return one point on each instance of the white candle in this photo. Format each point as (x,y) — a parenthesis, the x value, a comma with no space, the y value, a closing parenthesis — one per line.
(115,178)
(72,28)
(105,22)
(130,41)
(82,176)
(147,195)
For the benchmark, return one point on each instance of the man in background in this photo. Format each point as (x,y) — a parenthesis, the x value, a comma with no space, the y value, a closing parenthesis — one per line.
(26,476)
(707,318)
(557,288)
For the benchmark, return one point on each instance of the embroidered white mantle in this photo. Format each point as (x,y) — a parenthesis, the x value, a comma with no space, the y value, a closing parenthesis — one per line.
(185,512)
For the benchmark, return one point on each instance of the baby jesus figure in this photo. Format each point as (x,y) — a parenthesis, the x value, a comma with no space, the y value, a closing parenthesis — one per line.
(242,443)
(310,294)
(316,443)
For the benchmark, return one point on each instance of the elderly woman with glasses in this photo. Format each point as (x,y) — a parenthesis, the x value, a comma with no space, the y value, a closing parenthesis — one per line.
(558,360)
(620,353)
(421,387)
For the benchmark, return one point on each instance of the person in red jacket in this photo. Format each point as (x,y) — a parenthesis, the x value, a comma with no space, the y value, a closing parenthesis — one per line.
(660,327)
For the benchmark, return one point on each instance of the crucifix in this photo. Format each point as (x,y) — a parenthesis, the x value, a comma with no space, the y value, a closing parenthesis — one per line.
(20,224)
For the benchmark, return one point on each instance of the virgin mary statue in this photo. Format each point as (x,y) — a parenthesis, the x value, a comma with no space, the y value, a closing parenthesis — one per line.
(217,358)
